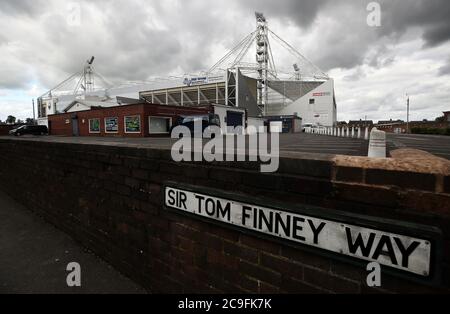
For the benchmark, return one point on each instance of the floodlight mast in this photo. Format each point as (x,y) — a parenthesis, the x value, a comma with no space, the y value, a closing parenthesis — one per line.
(88,77)
(262,58)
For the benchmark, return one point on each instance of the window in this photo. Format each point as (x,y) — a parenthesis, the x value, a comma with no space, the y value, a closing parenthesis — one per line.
(94,126)
(133,124)
(159,125)
(312,101)
(111,125)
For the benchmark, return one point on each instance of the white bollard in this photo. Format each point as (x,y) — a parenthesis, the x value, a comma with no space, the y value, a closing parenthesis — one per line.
(377,144)
(366,136)
(359,132)
(353,132)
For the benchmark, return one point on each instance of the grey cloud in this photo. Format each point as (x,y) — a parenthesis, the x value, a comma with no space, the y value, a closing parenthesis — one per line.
(445,70)
(430,15)
(127,48)
(302,13)
(19,7)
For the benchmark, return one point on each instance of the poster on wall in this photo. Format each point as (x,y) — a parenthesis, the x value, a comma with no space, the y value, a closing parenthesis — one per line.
(133,124)
(94,126)
(112,125)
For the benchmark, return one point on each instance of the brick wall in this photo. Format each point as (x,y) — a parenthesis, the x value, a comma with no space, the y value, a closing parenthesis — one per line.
(391,128)
(110,199)
(4,129)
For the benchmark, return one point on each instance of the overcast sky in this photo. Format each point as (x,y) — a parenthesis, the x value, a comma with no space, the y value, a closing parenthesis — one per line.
(374,68)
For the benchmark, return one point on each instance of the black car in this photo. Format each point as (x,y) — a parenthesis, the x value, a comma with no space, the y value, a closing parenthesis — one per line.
(207,120)
(30,129)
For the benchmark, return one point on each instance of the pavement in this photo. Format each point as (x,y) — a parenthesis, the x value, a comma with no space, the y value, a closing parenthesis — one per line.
(434,144)
(34,256)
(299,143)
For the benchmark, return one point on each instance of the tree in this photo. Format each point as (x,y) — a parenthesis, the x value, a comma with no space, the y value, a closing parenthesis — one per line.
(440,119)
(11,120)
(30,121)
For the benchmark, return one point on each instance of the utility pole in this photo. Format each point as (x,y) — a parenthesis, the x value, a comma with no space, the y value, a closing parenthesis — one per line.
(34,112)
(407,115)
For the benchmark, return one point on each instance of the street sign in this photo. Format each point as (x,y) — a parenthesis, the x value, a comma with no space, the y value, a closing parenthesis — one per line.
(411,254)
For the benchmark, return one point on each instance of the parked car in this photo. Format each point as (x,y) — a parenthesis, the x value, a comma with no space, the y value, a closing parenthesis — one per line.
(207,120)
(308,127)
(30,129)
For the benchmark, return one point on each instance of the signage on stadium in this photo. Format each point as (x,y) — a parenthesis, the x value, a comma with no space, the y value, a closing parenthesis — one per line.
(321,94)
(398,251)
(195,81)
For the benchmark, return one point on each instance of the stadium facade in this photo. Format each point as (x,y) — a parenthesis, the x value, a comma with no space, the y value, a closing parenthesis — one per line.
(248,77)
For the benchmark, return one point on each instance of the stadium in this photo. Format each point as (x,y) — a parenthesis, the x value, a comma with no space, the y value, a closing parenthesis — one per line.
(248,77)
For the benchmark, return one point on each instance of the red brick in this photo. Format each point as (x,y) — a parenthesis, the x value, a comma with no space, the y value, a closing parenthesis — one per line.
(350,174)
(281,265)
(306,258)
(260,244)
(260,273)
(242,252)
(408,180)
(327,281)
(292,286)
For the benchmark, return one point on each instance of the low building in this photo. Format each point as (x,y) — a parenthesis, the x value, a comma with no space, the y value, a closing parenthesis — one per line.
(136,120)
(401,127)
(287,124)
(140,120)
(447,116)
(360,124)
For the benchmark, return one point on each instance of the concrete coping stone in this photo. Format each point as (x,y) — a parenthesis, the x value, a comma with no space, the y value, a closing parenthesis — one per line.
(405,160)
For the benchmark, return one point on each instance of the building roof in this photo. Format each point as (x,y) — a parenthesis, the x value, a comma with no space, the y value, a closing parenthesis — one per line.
(360,121)
(91,104)
(390,121)
(128,101)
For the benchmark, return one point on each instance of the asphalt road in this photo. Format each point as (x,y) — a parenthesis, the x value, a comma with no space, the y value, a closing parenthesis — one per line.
(437,145)
(34,256)
(303,143)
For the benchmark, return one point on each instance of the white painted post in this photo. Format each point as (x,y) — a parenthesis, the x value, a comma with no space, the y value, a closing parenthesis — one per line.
(366,135)
(377,144)
(353,132)
(359,132)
